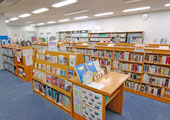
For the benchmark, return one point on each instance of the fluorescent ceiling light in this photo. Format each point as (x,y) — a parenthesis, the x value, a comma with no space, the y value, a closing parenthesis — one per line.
(64,20)
(103,14)
(132,1)
(40,10)
(40,23)
(137,9)
(29,22)
(7,21)
(81,17)
(25,15)
(76,12)
(51,22)
(13,19)
(32,25)
(167,5)
(64,3)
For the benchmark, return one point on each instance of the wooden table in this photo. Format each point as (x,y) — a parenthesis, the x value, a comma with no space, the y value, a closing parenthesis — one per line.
(113,88)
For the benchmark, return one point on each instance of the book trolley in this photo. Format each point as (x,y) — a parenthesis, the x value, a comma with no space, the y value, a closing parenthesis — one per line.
(54,79)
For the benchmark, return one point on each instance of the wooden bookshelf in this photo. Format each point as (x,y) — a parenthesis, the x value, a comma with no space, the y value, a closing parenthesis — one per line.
(19,62)
(57,83)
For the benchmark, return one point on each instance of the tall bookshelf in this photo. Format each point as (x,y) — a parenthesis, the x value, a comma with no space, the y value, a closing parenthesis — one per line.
(117,37)
(74,36)
(51,74)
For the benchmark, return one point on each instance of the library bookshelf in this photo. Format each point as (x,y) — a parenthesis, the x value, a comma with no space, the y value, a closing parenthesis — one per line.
(51,74)
(18,61)
(155,84)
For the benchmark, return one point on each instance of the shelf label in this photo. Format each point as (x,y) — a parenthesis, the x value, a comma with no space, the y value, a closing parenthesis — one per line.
(163,47)
(139,50)
(111,45)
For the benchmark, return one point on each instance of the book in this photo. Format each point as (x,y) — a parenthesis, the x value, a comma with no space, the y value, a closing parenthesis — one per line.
(48,57)
(65,61)
(70,73)
(97,65)
(39,66)
(43,67)
(62,84)
(54,59)
(90,66)
(80,70)
(72,60)
(61,59)
(48,69)
(68,86)
(58,71)
(49,78)
(53,69)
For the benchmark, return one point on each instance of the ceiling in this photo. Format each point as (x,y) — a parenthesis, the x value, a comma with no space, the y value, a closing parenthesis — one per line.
(93,7)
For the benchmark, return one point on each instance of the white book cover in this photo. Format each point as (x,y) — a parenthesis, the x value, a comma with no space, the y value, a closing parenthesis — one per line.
(61,59)
(97,65)
(54,59)
(72,60)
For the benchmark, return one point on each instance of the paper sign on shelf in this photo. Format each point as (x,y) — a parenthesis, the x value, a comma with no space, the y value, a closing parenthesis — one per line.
(27,52)
(139,50)
(163,47)
(111,45)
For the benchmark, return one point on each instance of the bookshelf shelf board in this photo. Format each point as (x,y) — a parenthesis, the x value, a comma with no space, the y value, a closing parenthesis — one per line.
(53,86)
(157,64)
(8,56)
(157,75)
(21,77)
(130,61)
(134,80)
(65,109)
(102,57)
(167,88)
(8,63)
(162,99)
(153,85)
(20,65)
(130,71)
(113,96)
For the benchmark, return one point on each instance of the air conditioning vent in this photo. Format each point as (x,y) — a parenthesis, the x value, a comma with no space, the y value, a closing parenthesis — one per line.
(8,2)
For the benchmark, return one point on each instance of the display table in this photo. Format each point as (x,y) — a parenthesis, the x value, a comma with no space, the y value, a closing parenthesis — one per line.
(111,94)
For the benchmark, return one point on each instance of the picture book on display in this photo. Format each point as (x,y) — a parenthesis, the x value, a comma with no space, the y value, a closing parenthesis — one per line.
(72,60)
(90,66)
(80,70)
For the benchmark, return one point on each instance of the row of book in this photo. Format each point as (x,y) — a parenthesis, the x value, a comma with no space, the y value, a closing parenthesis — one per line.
(87,58)
(8,52)
(167,92)
(156,91)
(102,53)
(128,66)
(153,69)
(9,67)
(133,76)
(132,85)
(52,94)
(127,56)
(157,59)
(58,59)
(9,60)
(105,62)
(83,51)
(54,70)
(59,82)
(165,82)
(100,35)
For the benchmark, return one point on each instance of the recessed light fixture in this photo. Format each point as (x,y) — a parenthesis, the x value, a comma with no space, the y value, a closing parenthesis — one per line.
(64,3)
(137,9)
(104,14)
(7,21)
(29,22)
(64,20)
(13,19)
(25,15)
(167,5)
(132,1)
(40,23)
(32,25)
(76,12)
(40,10)
(81,17)
(51,22)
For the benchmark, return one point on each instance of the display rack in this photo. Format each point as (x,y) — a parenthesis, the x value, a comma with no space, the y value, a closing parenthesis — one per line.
(23,60)
(51,74)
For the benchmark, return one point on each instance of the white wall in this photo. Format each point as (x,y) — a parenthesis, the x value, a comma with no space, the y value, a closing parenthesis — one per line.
(19,30)
(3,31)
(156,27)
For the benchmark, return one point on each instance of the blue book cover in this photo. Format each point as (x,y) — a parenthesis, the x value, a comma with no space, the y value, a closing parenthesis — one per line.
(91,67)
(80,70)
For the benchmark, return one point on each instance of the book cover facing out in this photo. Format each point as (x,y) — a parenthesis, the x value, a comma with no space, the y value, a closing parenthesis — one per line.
(90,66)
(80,70)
